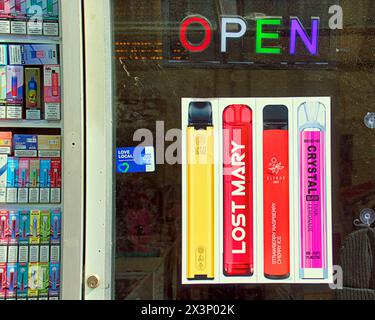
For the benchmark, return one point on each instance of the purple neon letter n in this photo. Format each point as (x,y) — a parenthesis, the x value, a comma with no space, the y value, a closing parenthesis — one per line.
(310,44)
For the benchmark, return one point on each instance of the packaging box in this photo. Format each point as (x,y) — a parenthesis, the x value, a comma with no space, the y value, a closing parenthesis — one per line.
(25,145)
(33,94)
(12,253)
(12,180)
(34,7)
(18,9)
(49,146)
(5,142)
(34,253)
(14,85)
(23,280)
(44,272)
(52,83)
(11,290)
(18,15)
(34,181)
(55,254)
(45,181)
(23,254)
(3,177)
(33,281)
(14,229)
(34,227)
(3,280)
(44,279)
(4,228)
(56,226)
(33,54)
(55,180)
(52,95)
(51,9)
(33,272)
(3,92)
(24,227)
(44,253)
(51,16)
(45,227)
(15,88)
(23,180)
(3,253)
(5,9)
(4,16)
(3,54)
(54,282)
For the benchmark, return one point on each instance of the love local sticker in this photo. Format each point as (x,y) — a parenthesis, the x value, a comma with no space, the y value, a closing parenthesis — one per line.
(138,159)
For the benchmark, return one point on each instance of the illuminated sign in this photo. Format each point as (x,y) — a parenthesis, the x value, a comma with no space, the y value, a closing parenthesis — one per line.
(297,32)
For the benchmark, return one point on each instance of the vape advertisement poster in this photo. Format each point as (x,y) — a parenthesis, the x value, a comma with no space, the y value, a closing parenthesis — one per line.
(256,190)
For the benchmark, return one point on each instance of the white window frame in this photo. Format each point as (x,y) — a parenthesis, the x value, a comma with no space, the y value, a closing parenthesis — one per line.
(99,148)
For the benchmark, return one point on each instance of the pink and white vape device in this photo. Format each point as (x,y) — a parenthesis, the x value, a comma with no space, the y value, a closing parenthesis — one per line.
(312,191)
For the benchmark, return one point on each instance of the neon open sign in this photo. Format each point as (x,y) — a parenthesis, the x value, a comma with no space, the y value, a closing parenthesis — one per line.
(297,32)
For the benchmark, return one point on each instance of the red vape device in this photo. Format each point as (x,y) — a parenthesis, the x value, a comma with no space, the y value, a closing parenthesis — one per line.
(276,192)
(238,191)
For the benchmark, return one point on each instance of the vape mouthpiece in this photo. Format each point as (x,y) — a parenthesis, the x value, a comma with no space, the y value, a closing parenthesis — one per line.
(275,117)
(312,114)
(200,115)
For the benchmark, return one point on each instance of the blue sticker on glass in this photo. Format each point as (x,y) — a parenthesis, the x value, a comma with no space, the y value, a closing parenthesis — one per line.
(138,159)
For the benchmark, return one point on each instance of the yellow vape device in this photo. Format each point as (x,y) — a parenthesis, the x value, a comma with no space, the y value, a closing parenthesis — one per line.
(200,180)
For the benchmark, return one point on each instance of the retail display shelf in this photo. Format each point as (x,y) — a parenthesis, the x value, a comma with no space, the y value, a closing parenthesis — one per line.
(6,38)
(30,206)
(30,124)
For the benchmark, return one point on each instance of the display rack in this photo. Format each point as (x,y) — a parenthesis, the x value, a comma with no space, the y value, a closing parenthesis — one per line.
(37,287)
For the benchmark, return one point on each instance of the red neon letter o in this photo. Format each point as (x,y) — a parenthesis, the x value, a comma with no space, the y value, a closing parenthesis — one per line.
(207,37)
